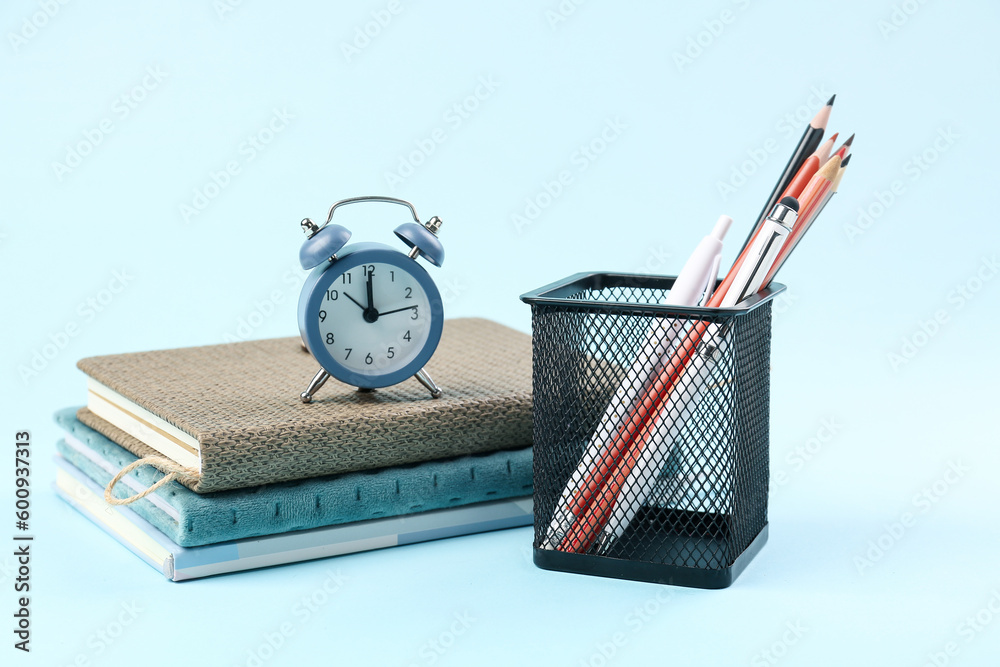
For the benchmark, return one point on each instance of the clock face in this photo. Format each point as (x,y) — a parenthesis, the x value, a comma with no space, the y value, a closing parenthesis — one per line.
(374,318)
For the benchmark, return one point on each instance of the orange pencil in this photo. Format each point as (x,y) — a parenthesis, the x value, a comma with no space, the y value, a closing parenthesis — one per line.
(817,187)
(801,180)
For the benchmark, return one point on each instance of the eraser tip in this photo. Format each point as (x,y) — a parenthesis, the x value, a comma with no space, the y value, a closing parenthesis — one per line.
(791,202)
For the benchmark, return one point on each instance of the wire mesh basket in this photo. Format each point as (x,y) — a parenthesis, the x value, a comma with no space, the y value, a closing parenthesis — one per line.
(650,430)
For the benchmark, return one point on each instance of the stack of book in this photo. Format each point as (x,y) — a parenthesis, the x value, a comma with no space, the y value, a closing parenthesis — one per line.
(262,479)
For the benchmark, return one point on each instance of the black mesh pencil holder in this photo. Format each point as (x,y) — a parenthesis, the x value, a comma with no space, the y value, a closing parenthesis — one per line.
(650,431)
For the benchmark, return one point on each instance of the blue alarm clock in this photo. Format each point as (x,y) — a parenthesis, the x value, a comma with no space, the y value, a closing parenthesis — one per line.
(370,314)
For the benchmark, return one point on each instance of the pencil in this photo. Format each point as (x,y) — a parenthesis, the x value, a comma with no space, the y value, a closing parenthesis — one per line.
(801,180)
(835,186)
(807,145)
(817,188)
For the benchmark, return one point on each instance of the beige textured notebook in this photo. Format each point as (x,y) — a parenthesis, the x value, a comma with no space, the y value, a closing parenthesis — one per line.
(232,412)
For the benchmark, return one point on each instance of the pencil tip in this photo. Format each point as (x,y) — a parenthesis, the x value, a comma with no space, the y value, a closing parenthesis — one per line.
(830,103)
(850,140)
(846,160)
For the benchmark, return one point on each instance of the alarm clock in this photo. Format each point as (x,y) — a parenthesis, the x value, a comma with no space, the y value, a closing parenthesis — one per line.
(368,313)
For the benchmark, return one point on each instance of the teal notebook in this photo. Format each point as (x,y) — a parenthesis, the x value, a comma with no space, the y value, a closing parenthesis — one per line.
(191,519)
(178,563)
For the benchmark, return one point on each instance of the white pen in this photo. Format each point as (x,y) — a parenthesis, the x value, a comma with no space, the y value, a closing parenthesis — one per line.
(697,278)
(761,253)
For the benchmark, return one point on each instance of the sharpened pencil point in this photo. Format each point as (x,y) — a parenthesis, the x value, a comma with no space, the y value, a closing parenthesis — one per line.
(846,160)
(830,102)
(850,140)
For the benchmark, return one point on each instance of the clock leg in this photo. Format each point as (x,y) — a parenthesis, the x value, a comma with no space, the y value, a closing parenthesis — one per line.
(318,381)
(425,379)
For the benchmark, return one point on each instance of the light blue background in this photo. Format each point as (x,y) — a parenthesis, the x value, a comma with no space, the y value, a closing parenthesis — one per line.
(641,205)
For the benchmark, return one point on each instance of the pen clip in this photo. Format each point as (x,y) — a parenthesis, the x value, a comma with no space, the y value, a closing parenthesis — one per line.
(710,281)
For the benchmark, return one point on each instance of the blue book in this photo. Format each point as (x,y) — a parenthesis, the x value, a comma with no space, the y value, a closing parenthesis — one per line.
(187,535)
(179,563)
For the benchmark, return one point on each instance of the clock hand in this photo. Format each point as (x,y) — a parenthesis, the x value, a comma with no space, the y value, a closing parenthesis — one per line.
(398,310)
(354,300)
(371,306)
(370,314)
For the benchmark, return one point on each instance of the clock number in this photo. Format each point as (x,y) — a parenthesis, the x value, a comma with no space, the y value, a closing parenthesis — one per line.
(332,294)
(409,292)
(322,316)
(415,314)
(348,353)
(346,278)
(392,276)
(367,269)
(391,353)
(329,339)
(406,336)
(368,359)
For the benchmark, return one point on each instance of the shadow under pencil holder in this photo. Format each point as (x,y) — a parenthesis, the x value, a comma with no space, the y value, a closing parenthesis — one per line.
(650,430)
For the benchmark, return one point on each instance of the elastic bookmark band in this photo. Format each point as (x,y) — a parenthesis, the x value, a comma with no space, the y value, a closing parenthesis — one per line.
(170,469)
